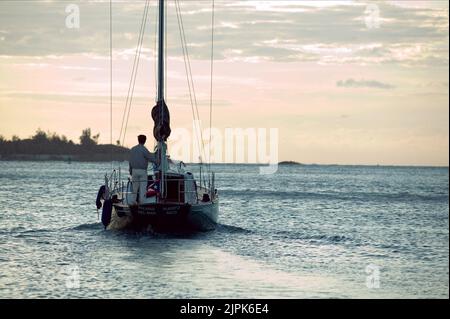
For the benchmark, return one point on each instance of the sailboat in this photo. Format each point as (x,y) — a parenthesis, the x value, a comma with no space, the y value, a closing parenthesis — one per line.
(175,199)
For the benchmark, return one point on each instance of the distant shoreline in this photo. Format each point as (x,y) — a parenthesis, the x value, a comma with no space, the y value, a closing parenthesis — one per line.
(47,146)
(101,158)
(290,163)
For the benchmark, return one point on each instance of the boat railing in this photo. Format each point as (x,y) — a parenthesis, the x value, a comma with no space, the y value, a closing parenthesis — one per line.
(197,191)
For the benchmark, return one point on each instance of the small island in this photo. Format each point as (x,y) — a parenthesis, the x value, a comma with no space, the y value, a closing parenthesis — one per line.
(47,146)
(289,163)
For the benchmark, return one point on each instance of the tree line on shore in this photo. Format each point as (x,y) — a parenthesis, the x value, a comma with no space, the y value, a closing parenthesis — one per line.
(54,146)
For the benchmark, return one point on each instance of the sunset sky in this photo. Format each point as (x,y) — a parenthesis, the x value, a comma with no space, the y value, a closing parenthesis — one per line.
(340,86)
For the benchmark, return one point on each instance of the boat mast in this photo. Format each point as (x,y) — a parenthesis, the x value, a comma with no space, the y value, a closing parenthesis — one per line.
(160,98)
(161,52)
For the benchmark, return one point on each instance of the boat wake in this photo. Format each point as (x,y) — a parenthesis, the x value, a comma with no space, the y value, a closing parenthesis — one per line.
(223,228)
(317,238)
(220,228)
(89,226)
(29,233)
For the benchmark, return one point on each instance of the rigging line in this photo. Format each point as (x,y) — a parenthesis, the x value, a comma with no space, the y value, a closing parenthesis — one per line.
(186,68)
(188,61)
(134,82)
(185,64)
(165,95)
(192,81)
(135,74)
(110,79)
(155,60)
(132,75)
(136,71)
(193,92)
(211,82)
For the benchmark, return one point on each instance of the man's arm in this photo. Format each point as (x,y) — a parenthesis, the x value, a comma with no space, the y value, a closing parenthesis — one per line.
(151,157)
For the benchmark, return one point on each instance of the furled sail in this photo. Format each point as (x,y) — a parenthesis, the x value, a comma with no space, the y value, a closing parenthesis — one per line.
(161,117)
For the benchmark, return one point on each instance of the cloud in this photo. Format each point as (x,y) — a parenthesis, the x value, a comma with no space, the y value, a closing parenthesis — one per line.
(352,83)
(320,31)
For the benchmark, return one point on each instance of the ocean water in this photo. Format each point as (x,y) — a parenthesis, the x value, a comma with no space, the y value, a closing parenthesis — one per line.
(304,232)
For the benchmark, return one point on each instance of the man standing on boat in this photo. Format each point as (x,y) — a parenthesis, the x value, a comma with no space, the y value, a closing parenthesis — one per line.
(139,158)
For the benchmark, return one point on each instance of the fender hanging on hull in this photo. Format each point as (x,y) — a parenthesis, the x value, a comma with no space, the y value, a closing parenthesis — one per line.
(106,212)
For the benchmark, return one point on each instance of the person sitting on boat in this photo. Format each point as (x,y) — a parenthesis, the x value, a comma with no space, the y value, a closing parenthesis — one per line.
(139,158)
